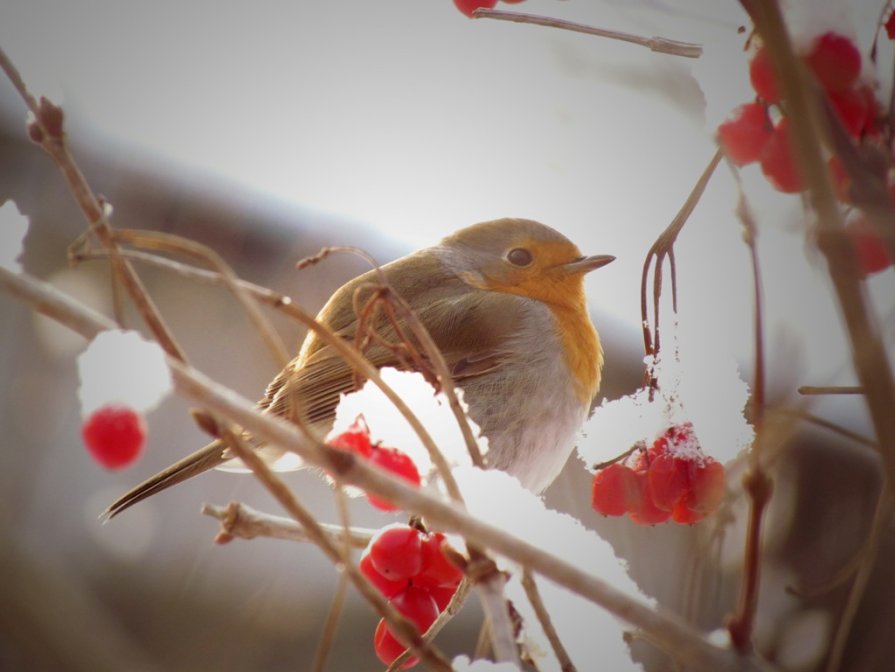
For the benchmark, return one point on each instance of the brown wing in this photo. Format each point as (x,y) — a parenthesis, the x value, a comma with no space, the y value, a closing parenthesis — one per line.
(471,327)
(471,330)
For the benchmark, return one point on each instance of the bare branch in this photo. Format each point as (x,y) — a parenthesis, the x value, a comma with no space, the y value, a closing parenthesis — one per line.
(657,44)
(241,521)
(665,628)
(830,389)
(47,130)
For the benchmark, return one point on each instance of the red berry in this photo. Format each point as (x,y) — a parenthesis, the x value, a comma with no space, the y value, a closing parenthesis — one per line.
(442,596)
(684,515)
(396,552)
(761,75)
(355,439)
(114,435)
(387,646)
(835,61)
(678,440)
(889,25)
(851,108)
(398,463)
(706,487)
(643,510)
(386,586)
(778,163)
(744,133)
(615,489)
(436,570)
(870,250)
(669,479)
(469,6)
(417,605)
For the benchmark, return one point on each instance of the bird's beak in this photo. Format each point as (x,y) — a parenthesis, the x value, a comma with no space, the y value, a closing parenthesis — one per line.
(588,264)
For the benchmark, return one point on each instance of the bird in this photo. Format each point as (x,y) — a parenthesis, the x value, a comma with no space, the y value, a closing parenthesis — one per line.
(504,302)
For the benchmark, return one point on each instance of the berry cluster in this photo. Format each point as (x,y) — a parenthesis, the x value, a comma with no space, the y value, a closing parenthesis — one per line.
(356,439)
(673,479)
(759,131)
(749,134)
(114,435)
(410,569)
(469,6)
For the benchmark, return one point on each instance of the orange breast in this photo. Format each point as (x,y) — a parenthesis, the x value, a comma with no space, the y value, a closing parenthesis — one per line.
(581,348)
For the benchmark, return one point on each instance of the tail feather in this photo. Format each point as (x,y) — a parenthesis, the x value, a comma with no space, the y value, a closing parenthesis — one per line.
(203,459)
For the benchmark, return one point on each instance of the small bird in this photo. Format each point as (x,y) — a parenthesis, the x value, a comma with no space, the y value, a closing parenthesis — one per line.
(504,302)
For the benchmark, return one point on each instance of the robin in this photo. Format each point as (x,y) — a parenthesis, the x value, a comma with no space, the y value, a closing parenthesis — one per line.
(504,302)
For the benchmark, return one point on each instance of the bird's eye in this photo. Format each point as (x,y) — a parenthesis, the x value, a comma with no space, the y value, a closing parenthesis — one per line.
(519,256)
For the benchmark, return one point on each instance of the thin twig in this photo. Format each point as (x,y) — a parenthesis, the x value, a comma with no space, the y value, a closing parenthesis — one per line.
(344,349)
(327,637)
(400,626)
(664,628)
(158,240)
(839,576)
(452,609)
(655,257)
(658,44)
(756,481)
(534,597)
(490,587)
(47,300)
(690,646)
(830,389)
(483,642)
(337,606)
(444,377)
(241,521)
(429,347)
(869,356)
(47,129)
(829,425)
(880,521)
(186,271)
(363,331)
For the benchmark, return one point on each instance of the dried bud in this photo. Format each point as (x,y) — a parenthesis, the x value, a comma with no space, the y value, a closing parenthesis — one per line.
(35,132)
(52,117)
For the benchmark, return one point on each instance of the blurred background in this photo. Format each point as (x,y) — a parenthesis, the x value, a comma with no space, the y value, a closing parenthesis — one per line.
(268,130)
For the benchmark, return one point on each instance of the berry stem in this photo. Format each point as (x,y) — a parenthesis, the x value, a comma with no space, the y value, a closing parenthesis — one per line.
(657,44)
(664,247)
(829,389)
(759,487)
